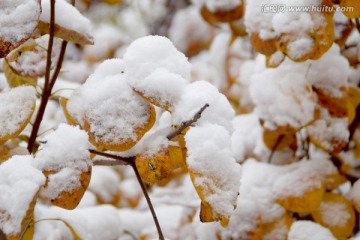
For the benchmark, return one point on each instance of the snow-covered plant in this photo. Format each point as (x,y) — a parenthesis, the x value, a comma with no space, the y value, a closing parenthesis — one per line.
(143,119)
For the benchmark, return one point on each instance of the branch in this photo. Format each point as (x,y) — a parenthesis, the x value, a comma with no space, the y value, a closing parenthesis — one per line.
(119,160)
(47,90)
(143,188)
(277,143)
(188,123)
(49,84)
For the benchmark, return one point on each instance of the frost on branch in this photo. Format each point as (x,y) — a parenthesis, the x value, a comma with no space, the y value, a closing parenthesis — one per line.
(18,20)
(70,24)
(213,170)
(64,158)
(17,106)
(20,183)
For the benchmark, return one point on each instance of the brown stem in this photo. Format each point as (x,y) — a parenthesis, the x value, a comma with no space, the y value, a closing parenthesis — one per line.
(278,141)
(49,84)
(47,91)
(143,188)
(186,124)
(119,160)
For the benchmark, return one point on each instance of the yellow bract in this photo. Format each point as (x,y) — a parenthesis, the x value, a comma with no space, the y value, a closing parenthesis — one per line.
(337,214)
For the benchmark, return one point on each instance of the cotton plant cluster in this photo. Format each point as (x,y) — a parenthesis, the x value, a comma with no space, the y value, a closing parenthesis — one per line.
(275,93)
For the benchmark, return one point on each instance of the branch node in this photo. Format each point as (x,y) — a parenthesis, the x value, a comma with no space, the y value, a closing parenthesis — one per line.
(188,123)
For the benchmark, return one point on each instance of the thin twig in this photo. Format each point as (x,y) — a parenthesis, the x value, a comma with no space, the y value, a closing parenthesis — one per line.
(188,123)
(278,141)
(47,90)
(49,83)
(119,160)
(143,188)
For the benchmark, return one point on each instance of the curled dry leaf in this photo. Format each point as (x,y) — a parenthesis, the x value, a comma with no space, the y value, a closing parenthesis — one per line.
(18,20)
(16,109)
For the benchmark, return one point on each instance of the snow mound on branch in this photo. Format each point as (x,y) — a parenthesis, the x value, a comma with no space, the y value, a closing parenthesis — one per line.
(18,19)
(210,159)
(64,152)
(19,183)
(304,230)
(195,96)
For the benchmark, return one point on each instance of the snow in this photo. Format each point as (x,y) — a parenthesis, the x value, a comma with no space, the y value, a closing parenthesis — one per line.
(271,24)
(113,110)
(188,28)
(17,106)
(276,92)
(278,182)
(19,184)
(93,223)
(304,230)
(216,173)
(104,183)
(65,154)
(211,65)
(334,214)
(195,96)
(33,61)
(146,54)
(331,132)
(162,86)
(218,5)
(68,17)
(18,19)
